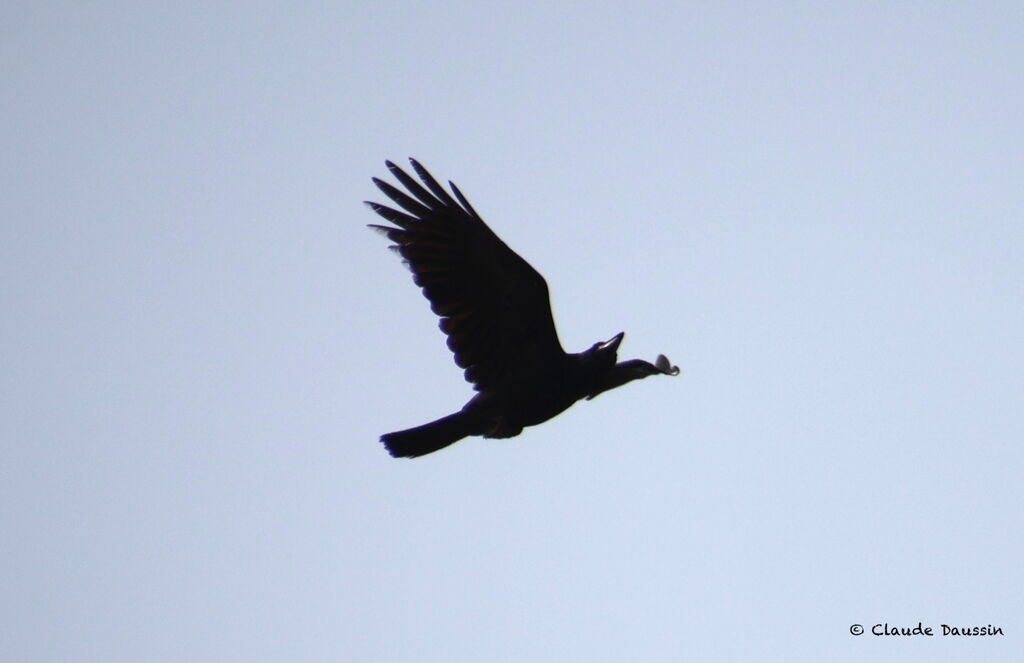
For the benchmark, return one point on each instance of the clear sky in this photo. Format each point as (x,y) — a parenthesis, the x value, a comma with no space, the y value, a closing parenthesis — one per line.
(815,209)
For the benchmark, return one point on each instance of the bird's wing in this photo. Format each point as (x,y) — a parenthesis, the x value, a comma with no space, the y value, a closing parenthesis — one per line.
(494,306)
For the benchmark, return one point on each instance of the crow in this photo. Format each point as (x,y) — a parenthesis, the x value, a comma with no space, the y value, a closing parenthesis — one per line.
(495,311)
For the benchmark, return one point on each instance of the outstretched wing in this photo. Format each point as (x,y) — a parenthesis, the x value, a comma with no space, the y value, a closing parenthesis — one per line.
(494,306)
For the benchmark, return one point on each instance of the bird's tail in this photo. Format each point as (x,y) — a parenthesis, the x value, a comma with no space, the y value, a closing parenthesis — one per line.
(428,438)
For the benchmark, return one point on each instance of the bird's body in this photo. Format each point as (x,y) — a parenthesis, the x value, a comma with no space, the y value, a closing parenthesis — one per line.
(495,311)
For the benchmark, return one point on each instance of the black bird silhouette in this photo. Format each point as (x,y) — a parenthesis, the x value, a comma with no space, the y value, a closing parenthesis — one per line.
(494,308)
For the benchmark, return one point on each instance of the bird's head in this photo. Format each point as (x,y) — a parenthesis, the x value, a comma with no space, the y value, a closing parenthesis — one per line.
(605,354)
(607,374)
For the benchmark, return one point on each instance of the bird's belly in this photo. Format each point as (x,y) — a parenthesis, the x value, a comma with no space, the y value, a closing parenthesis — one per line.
(542,407)
(523,408)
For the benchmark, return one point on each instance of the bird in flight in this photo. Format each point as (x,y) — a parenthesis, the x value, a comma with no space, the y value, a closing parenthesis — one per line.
(495,311)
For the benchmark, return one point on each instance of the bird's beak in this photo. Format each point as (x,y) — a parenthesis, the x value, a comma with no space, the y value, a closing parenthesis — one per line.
(612,343)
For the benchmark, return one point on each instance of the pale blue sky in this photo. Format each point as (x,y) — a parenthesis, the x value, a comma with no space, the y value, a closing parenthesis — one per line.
(815,209)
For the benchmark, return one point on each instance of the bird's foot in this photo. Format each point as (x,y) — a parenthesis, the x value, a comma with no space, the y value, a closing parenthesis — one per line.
(662,364)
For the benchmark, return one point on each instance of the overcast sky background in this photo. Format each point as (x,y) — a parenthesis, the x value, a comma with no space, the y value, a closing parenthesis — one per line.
(814,209)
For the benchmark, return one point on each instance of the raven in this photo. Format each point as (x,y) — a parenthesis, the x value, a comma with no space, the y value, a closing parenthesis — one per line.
(494,308)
